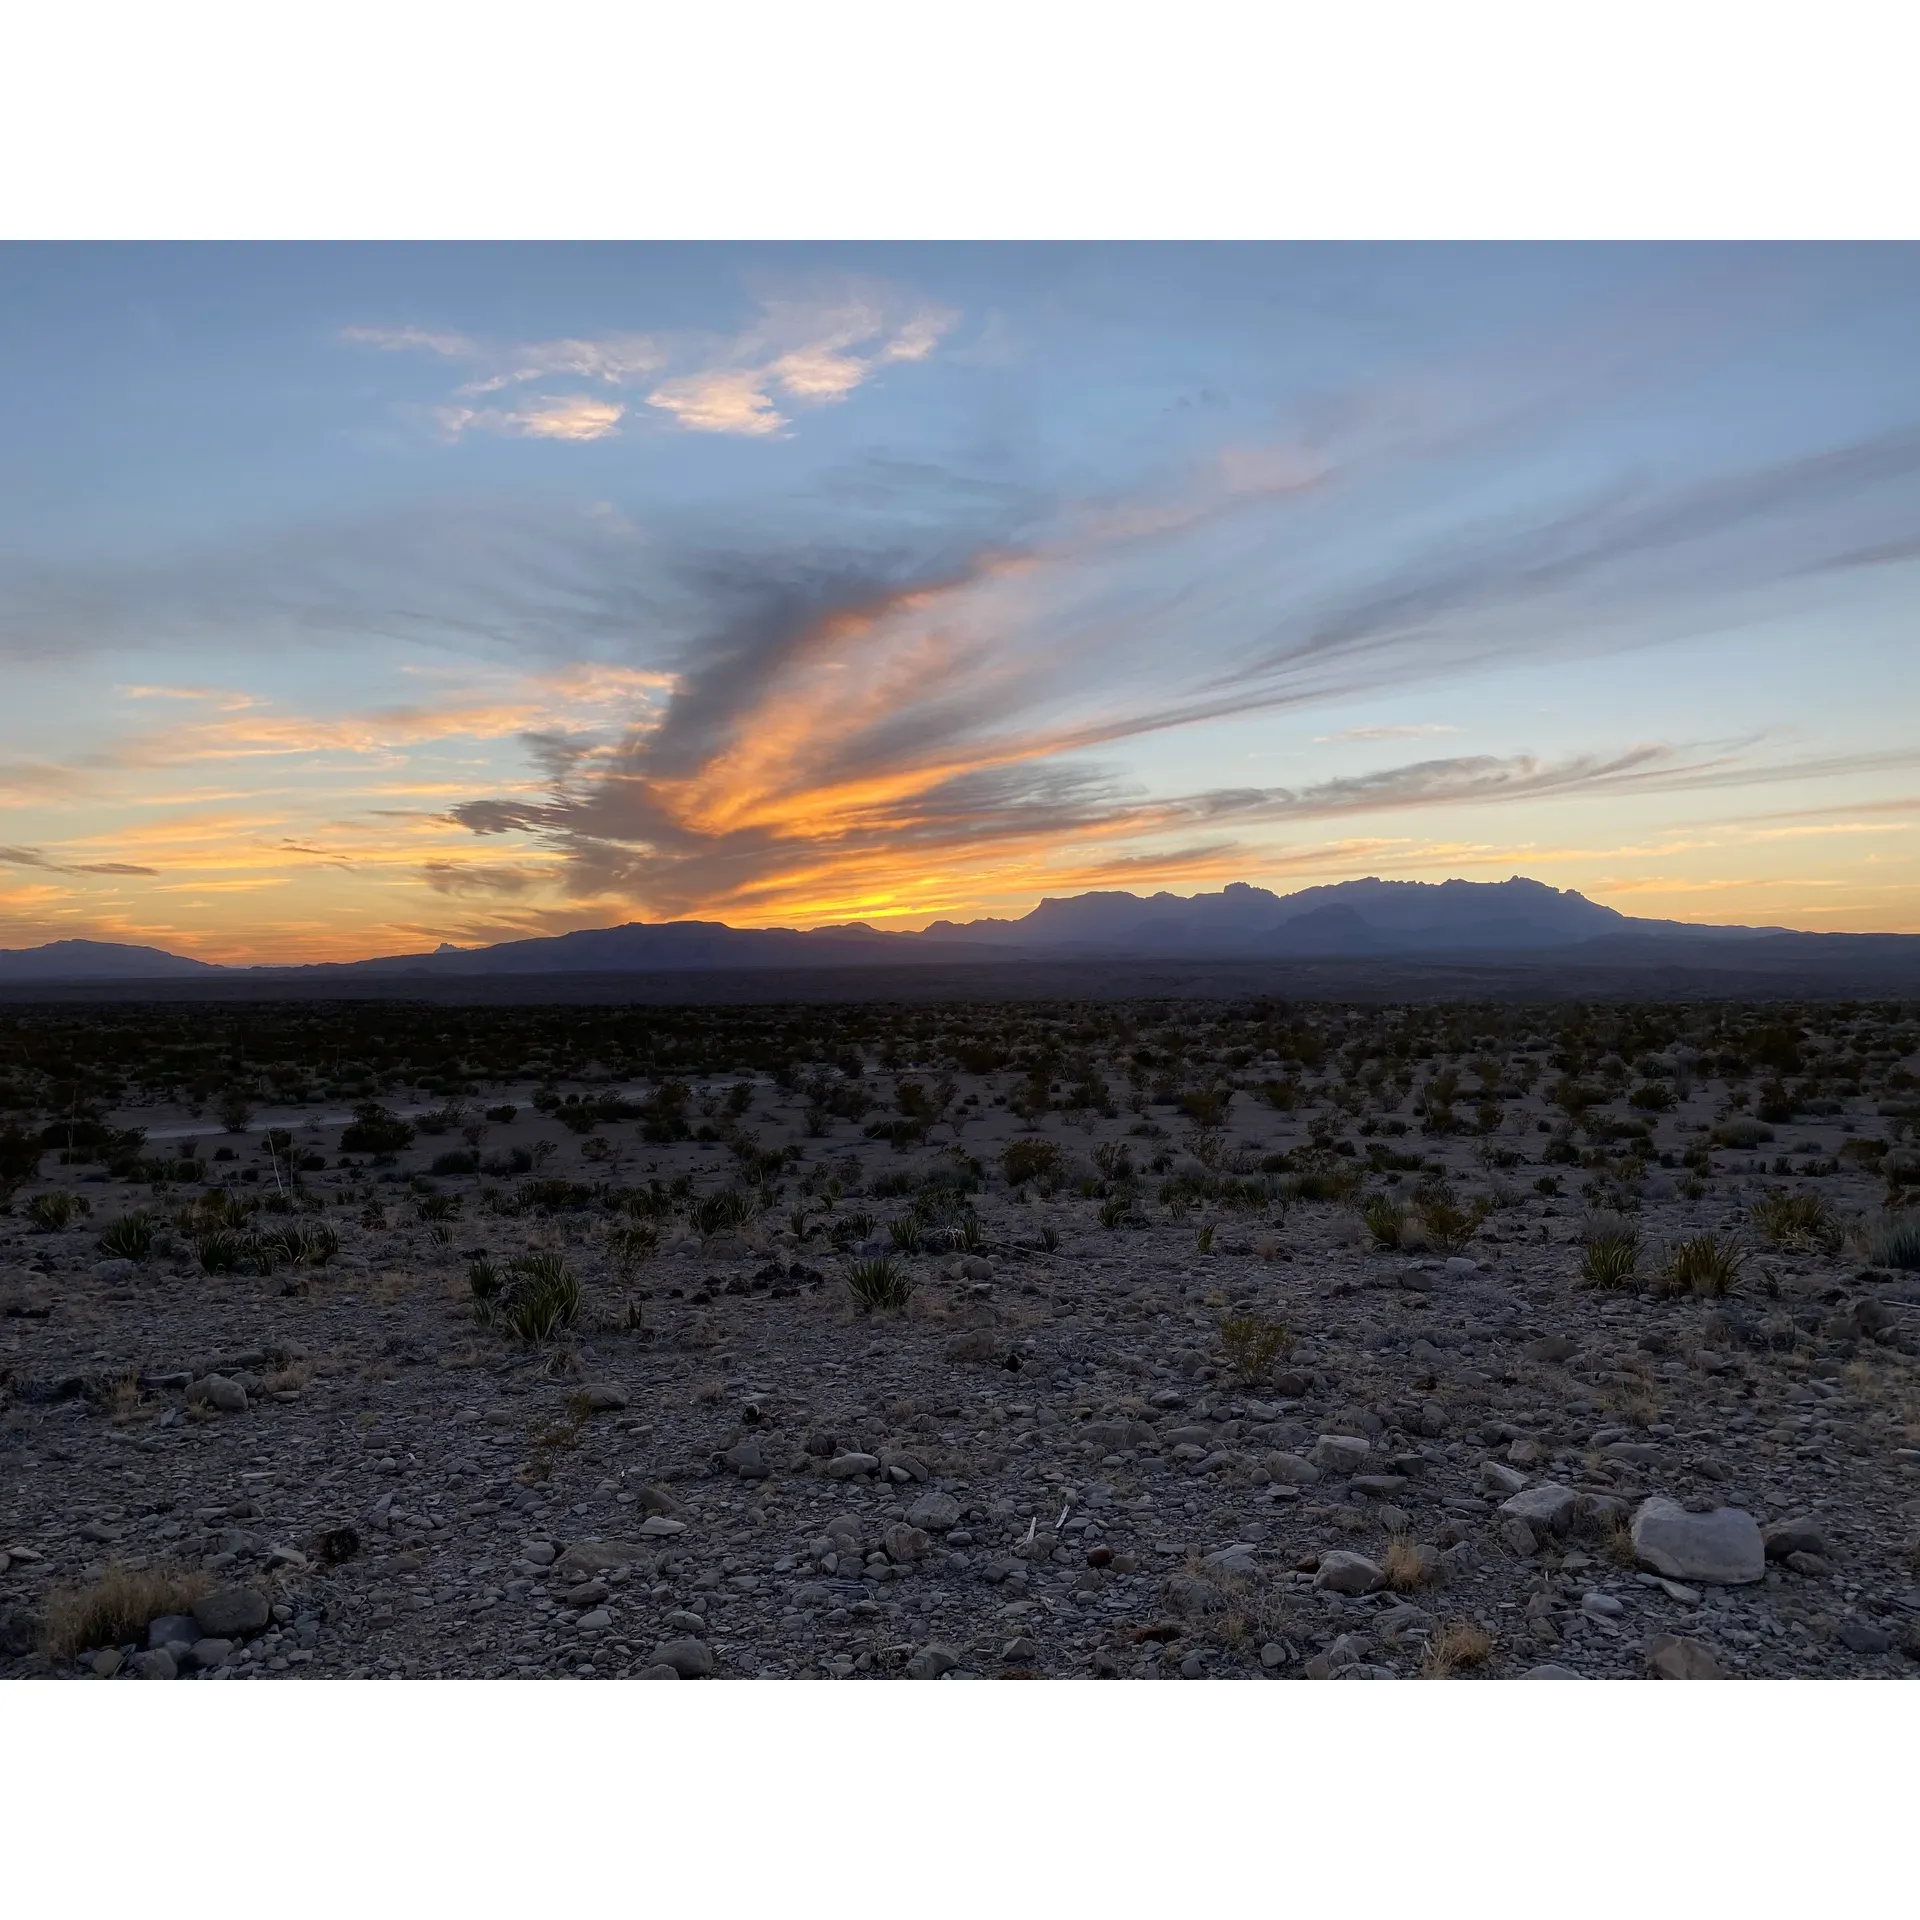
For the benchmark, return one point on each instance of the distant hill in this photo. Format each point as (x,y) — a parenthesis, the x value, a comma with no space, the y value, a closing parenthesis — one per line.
(1375,920)
(96,960)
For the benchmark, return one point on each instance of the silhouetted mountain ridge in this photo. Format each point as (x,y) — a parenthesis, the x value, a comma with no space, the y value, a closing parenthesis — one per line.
(1371,918)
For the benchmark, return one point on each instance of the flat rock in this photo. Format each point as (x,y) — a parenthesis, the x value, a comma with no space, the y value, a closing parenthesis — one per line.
(659,1526)
(934,1513)
(1674,1656)
(1721,1548)
(1291,1469)
(691,1659)
(853,1466)
(1786,1537)
(1548,1670)
(1350,1573)
(1497,1477)
(1340,1453)
(931,1661)
(748,1460)
(228,1612)
(587,1557)
(1547,1509)
(172,1627)
(604,1396)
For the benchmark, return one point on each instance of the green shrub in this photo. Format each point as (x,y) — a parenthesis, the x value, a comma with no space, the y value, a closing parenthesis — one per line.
(905,1233)
(1741,1133)
(1253,1344)
(1025,1160)
(375,1130)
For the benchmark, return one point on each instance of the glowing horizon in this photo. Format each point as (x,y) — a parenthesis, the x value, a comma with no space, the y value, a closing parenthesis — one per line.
(356,600)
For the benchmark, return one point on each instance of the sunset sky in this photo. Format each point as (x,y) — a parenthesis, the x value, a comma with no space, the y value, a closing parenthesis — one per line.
(353,599)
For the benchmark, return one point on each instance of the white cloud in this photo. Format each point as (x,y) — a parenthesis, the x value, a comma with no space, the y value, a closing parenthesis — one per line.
(719,403)
(810,352)
(568,416)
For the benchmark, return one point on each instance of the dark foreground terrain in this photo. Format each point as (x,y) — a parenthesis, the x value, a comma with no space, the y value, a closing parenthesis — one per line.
(1196,1338)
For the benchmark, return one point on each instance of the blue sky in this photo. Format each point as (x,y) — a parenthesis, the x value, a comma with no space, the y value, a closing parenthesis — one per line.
(358,597)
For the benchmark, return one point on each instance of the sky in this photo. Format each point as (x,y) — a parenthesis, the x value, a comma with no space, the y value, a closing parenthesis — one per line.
(357,599)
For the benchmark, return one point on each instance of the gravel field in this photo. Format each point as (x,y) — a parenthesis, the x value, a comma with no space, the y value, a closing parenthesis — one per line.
(1146,1341)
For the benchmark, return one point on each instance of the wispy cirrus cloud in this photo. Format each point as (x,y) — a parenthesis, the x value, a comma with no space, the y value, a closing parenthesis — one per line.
(797,353)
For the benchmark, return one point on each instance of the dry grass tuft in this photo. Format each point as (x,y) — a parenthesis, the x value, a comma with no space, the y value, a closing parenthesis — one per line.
(1461,1646)
(117,1607)
(1406,1572)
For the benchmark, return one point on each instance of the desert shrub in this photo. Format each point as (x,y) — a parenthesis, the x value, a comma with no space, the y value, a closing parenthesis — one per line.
(456,1162)
(1447,1227)
(1897,1244)
(881,1285)
(1115,1212)
(1796,1221)
(375,1130)
(49,1212)
(1707,1264)
(1203,1239)
(130,1237)
(20,1155)
(1741,1133)
(554,1196)
(502,1115)
(1025,1160)
(634,1243)
(117,1607)
(1655,1097)
(1253,1344)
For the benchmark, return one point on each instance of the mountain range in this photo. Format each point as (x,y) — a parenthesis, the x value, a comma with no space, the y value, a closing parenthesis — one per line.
(1370,919)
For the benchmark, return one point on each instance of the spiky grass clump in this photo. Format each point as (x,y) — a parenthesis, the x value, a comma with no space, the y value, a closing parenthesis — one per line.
(535,1296)
(1383,1219)
(1897,1245)
(50,1212)
(129,1238)
(117,1607)
(905,1233)
(727,1211)
(881,1285)
(1708,1264)
(1796,1222)
(1612,1258)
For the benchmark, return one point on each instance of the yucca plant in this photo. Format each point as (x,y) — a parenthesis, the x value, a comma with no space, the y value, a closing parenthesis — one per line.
(851,1229)
(882,1284)
(905,1233)
(1707,1264)
(1114,1212)
(970,1234)
(724,1212)
(129,1238)
(1203,1240)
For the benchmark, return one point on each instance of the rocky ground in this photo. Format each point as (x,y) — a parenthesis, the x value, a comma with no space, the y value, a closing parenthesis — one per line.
(1119,1428)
